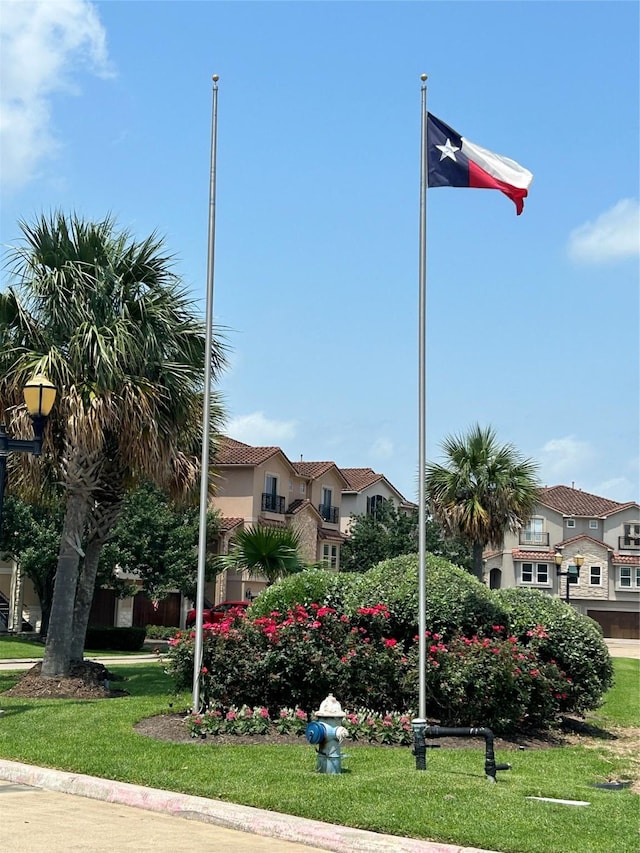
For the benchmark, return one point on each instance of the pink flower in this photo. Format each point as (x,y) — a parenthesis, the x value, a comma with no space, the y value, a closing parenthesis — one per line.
(390,643)
(204,670)
(231,715)
(264,713)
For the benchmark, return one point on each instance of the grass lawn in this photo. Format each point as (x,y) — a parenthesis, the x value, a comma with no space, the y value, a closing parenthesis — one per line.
(381,790)
(20,647)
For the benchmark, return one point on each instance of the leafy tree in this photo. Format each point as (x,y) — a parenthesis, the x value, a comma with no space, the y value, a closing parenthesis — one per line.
(390,533)
(31,534)
(157,539)
(269,552)
(104,317)
(482,490)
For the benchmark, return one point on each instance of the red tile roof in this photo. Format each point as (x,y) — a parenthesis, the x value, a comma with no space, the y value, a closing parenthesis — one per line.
(360,478)
(582,536)
(232,452)
(534,556)
(227,524)
(625,559)
(574,502)
(313,470)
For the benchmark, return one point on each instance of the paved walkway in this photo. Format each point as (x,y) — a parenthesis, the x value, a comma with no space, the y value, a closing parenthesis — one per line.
(73,812)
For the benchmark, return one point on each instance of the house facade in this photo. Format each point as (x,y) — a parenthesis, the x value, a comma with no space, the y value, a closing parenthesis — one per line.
(602,534)
(366,491)
(260,485)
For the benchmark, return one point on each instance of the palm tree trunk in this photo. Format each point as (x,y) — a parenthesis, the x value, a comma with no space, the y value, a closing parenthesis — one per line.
(477,550)
(57,654)
(84,597)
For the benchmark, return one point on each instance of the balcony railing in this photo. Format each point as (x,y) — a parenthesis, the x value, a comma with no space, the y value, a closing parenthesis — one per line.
(272,503)
(329,513)
(529,538)
(629,543)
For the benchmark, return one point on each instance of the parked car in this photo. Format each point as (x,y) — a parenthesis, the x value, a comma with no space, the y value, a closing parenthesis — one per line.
(216,613)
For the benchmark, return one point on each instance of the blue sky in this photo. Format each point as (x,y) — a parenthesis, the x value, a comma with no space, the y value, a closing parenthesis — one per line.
(532,320)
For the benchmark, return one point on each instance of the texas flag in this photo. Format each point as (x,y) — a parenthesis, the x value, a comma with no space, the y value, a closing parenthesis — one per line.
(456,162)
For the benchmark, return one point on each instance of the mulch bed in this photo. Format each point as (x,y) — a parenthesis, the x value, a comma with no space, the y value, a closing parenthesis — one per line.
(173,727)
(86,680)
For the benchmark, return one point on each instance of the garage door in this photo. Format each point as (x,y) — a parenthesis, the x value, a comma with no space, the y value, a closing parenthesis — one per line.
(617,625)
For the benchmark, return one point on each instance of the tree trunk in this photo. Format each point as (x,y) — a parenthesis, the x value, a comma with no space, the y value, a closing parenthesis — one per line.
(477,560)
(57,654)
(103,515)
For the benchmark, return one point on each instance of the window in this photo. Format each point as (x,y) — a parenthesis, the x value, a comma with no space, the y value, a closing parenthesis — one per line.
(535,573)
(593,524)
(533,532)
(330,556)
(595,576)
(571,522)
(631,535)
(327,494)
(302,488)
(271,485)
(629,577)
(374,504)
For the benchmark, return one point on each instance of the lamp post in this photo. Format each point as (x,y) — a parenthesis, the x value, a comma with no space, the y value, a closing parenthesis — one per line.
(573,571)
(39,397)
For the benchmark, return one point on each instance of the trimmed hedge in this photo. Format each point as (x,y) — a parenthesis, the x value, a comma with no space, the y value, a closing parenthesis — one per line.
(115,639)
(311,586)
(574,641)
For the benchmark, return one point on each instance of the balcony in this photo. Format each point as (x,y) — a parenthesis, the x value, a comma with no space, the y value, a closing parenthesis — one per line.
(272,503)
(329,513)
(527,537)
(628,543)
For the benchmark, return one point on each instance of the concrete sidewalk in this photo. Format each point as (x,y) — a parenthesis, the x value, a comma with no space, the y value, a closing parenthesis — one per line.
(73,812)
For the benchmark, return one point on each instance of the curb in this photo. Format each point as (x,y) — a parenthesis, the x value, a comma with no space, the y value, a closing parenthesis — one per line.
(313,833)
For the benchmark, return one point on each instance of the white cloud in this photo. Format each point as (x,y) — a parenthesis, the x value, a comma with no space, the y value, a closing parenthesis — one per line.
(614,234)
(259,430)
(617,489)
(43,44)
(563,458)
(382,448)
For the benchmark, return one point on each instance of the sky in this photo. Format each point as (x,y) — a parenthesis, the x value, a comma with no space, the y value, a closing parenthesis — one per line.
(532,320)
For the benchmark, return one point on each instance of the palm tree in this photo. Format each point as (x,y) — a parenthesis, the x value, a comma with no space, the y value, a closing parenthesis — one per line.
(104,317)
(482,490)
(268,552)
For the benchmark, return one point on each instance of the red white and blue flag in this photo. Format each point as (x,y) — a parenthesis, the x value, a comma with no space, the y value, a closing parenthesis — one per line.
(456,162)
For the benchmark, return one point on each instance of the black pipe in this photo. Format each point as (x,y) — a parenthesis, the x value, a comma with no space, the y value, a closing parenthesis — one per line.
(490,766)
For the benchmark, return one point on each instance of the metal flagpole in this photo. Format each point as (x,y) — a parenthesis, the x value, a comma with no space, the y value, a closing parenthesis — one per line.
(422,410)
(420,722)
(206,410)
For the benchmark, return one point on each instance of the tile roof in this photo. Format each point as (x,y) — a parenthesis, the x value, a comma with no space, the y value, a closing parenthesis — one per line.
(582,536)
(298,505)
(625,559)
(532,555)
(333,535)
(227,524)
(311,470)
(575,502)
(360,478)
(232,452)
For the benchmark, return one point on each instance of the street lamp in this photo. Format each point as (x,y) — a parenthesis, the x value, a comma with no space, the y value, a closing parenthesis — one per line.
(573,571)
(39,397)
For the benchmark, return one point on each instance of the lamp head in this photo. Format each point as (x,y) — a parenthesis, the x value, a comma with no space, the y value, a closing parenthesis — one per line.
(579,560)
(39,396)
(558,559)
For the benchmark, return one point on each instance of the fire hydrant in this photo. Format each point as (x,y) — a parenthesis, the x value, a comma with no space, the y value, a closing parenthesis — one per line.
(328,732)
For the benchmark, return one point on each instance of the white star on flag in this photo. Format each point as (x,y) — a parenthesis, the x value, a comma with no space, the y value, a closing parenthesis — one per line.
(448,150)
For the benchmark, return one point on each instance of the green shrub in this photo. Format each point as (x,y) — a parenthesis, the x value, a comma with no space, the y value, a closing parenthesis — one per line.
(115,639)
(160,632)
(311,586)
(574,641)
(455,601)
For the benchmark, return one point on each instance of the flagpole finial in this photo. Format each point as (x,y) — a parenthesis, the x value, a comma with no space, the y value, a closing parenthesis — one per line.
(215,78)
(423,77)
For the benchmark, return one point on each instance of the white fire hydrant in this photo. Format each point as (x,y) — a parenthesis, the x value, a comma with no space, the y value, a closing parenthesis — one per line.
(328,733)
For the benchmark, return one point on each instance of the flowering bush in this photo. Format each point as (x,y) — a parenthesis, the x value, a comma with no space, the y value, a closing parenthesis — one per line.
(362,724)
(497,679)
